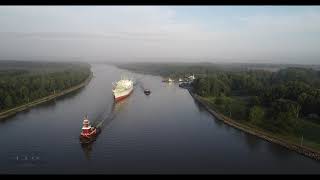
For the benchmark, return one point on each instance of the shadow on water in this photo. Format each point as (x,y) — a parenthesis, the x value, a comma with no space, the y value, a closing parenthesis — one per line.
(255,143)
(87,148)
(199,106)
(203,109)
(279,151)
(71,94)
(102,121)
(252,141)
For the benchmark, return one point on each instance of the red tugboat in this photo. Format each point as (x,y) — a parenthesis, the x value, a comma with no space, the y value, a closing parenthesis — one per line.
(88,132)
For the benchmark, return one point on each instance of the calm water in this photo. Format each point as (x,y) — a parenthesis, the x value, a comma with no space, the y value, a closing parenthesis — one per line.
(166,132)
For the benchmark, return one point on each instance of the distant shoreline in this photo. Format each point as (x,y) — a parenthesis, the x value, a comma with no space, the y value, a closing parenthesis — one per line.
(309,152)
(13,111)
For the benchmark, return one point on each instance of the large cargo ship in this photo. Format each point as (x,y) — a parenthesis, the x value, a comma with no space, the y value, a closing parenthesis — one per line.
(122,89)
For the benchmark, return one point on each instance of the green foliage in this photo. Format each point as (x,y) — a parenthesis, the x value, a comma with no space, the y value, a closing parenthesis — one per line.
(308,76)
(219,101)
(254,101)
(256,115)
(231,107)
(18,87)
(310,131)
(285,115)
(238,109)
(8,101)
(288,94)
(211,86)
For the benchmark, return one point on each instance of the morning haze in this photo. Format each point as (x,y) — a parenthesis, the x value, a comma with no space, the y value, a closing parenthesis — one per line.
(265,34)
(159,90)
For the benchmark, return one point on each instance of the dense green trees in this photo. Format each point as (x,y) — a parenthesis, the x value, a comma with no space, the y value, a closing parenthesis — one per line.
(18,87)
(214,86)
(285,115)
(280,97)
(256,115)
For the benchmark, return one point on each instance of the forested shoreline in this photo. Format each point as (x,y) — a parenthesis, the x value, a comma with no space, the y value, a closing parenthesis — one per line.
(24,82)
(285,102)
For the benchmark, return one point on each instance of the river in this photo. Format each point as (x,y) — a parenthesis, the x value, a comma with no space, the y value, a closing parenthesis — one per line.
(166,132)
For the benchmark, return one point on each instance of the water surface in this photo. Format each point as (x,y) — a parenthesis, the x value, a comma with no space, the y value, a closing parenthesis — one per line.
(166,132)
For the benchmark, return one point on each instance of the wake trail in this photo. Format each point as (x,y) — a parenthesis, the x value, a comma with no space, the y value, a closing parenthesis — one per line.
(106,116)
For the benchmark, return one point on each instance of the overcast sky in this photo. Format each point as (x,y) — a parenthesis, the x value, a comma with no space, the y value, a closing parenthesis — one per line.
(275,34)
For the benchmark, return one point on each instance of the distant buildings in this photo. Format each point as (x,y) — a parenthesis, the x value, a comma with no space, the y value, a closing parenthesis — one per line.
(187,81)
(192,77)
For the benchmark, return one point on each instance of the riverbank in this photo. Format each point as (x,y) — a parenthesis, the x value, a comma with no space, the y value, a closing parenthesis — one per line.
(13,111)
(309,152)
(288,142)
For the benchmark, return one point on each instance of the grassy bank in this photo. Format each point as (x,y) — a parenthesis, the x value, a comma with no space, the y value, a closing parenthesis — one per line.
(13,111)
(308,148)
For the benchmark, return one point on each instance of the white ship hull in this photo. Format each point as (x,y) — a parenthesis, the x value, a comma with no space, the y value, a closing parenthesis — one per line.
(122,89)
(118,95)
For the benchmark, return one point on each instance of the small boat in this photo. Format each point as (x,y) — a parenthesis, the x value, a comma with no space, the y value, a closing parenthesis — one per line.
(147,91)
(88,132)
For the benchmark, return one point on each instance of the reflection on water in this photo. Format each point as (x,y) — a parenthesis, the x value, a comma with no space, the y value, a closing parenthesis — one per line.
(279,151)
(120,105)
(169,84)
(199,106)
(204,110)
(252,142)
(71,95)
(87,149)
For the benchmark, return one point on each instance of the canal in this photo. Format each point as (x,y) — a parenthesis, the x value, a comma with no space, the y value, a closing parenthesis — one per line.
(165,132)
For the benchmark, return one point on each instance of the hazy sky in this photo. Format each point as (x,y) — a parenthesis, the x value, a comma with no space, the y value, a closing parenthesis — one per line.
(284,34)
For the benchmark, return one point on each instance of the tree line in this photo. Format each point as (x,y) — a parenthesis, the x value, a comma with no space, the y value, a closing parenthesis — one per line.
(20,86)
(272,100)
